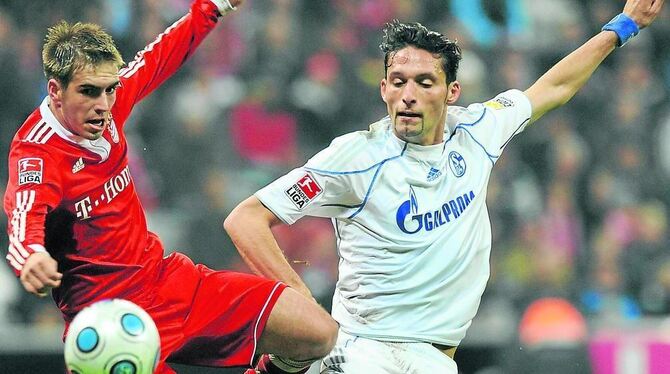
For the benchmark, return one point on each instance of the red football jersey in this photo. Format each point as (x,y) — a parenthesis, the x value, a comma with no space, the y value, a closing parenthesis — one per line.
(76,199)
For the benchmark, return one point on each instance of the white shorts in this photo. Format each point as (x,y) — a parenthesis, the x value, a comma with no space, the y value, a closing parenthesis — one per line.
(355,354)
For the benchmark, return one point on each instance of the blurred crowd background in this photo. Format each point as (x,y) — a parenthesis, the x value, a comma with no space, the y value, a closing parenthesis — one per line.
(578,202)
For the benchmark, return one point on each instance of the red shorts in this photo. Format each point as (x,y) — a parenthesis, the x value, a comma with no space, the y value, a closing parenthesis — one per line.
(207,317)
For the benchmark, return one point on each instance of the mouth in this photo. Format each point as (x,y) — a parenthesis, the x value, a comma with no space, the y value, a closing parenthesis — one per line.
(97,124)
(408,115)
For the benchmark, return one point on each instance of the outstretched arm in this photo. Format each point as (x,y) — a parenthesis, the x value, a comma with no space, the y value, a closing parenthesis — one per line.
(558,85)
(159,60)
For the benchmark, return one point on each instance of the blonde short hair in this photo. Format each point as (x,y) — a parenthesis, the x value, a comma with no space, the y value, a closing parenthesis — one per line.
(69,48)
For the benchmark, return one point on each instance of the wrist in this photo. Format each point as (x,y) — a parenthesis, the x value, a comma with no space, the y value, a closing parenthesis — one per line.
(224,6)
(624,27)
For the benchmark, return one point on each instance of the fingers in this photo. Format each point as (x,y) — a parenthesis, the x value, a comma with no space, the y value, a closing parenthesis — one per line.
(656,6)
(40,274)
(40,283)
(643,12)
(34,286)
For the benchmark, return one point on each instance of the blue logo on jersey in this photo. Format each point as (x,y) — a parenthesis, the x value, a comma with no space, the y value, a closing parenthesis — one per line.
(433,174)
(457,163)
(410,221)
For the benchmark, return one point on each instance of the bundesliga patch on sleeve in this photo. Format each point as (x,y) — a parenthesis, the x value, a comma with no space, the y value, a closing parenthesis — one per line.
(303,191)
(30,170)
(499,102)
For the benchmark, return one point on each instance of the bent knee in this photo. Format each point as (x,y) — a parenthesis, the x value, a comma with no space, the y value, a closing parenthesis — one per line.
(299,329)
(326,336)
(321,340)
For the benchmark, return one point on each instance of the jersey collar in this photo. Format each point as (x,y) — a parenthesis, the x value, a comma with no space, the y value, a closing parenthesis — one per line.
(100,146)
(428,153)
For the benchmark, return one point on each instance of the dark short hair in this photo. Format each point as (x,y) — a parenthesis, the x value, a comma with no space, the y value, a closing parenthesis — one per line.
(398,35)
(69,48)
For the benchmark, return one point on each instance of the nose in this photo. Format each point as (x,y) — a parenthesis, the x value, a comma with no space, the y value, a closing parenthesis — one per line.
(409,94)
(103,103)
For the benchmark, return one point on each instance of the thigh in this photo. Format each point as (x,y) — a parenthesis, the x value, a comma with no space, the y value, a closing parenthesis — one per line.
(213,318)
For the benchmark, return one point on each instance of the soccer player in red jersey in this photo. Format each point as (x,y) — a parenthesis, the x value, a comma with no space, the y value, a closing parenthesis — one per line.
(77,228)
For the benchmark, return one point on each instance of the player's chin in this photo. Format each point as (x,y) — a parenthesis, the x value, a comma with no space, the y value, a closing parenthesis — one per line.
(93,135)
(91,131)
(408,130)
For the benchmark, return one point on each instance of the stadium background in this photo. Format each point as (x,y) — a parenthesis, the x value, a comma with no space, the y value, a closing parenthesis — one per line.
(578,202)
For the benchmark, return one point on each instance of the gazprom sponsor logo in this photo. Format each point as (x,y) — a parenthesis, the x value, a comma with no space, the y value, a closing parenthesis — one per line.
(410,221)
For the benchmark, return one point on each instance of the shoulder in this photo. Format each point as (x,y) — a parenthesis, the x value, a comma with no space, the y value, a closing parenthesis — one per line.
(510,100)
(357,150)
(35,138)
(34,129)
(458,115)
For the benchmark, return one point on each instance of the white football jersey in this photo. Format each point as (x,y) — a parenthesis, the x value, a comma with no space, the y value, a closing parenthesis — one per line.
(412,227)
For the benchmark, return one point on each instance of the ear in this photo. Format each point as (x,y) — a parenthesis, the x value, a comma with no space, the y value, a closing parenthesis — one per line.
(453,92)
(55,91)
(382,88)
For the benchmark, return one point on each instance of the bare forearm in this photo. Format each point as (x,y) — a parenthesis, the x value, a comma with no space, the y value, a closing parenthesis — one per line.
(249,228)
(558,85)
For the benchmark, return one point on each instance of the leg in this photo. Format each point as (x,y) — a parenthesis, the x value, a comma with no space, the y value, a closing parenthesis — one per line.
(298,332)
(224,319)
(298,329)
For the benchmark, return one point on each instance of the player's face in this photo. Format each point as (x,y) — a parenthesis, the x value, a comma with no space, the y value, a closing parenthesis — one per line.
(416,94)
(84,106)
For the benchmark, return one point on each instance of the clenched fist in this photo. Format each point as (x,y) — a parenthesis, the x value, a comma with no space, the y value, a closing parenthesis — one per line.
(40,274)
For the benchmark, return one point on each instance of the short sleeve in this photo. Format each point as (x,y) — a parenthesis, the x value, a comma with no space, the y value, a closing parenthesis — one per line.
(331,184)
(502,117)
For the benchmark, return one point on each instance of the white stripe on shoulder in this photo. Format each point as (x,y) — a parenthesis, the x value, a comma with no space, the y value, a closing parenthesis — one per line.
(39,134)
(35,129)
(46,136)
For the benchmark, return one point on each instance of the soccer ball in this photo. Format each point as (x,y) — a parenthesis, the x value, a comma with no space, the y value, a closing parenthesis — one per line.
(112,337)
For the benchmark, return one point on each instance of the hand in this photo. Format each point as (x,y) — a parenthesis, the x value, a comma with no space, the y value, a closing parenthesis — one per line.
(40,274)
(643,12)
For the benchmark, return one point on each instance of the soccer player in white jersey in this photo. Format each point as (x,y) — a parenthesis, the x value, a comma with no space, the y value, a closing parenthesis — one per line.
(407,199)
